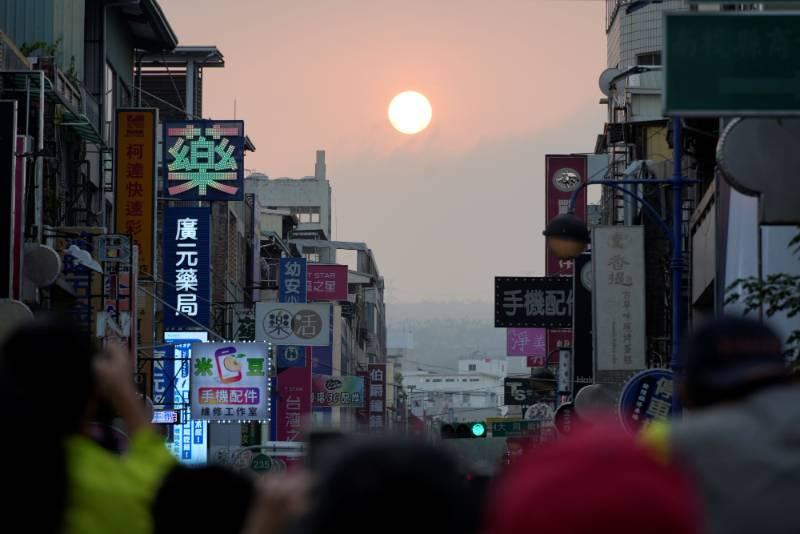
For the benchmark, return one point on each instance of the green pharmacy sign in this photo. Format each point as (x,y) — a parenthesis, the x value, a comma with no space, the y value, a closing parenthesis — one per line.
(204,160)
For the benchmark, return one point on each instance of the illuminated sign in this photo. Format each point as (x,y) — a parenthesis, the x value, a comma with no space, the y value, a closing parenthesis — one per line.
(187,251)
(204,160)
(166,417)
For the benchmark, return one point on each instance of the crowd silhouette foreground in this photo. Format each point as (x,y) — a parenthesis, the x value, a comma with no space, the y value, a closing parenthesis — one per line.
(730,464)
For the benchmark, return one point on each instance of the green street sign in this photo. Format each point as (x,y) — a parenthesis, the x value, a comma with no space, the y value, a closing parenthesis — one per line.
(261,463)
(514,429)
(731,64)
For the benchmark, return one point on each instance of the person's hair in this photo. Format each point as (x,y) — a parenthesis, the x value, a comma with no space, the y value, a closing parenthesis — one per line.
(47,382)
(388,479)
(184,487)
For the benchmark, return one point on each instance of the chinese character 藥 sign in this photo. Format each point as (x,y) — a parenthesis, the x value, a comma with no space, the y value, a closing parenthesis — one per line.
(186,267)
(376,405)
(345,391)
(135,167)
(204,160)
(327,282)
(646,397)
(292,280)
(544,302)
(293,324)
(230,381)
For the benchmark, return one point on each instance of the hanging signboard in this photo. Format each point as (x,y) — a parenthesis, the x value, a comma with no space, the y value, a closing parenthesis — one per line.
(293,324)
(229,382)
(344,391)
(377,397)
(292,286)
(135,191)
(531,342)
(187,253)
(327,282)
(619,292)
(204,160)
(543,302)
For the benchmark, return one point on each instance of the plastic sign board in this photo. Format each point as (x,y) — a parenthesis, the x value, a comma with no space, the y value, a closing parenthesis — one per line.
(646,397)
(347,391)
(230,382)
(293,324)
(187,267)
(731,64)
(543,302)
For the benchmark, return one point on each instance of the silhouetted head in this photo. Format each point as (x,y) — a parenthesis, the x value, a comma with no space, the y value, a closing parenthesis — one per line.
(729,358)
(47,365)
(176,507)
(395,486)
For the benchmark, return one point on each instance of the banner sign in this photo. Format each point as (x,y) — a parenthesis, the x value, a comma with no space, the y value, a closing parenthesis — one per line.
(327,282)
(204,160)
(345,391)
(646,397)
(294,401)
(292,280)
(290,356)
(619,298)
(543,302)
(293,324)
(563,174)
(229,381)
(189,443)
(377,397)
(531,342)
(135,191)
(187,267)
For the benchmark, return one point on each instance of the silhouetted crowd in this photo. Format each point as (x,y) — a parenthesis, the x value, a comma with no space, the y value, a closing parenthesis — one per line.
(729,464)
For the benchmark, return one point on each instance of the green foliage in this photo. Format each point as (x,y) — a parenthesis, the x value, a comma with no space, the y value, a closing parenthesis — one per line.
(40,48)
(777,293)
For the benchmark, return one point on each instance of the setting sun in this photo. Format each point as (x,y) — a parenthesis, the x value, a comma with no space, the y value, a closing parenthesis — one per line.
(410,112)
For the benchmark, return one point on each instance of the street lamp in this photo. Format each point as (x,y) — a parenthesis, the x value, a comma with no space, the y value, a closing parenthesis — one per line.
(567,236)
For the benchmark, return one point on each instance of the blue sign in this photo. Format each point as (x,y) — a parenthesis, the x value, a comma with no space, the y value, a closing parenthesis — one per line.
(646,397)
(187,267)
(189,437)
(292,280)
(204,160)
(164,376)
(290,356)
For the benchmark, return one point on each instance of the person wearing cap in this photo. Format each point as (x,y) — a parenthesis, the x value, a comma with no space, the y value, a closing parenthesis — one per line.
(740,434)
(596,480)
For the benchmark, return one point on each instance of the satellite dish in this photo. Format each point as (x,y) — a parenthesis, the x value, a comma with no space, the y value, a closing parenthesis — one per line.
(14,313)
(42,265)
(606,79)
(758,156)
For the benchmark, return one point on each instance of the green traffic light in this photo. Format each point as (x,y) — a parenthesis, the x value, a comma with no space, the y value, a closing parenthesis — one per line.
(478,429)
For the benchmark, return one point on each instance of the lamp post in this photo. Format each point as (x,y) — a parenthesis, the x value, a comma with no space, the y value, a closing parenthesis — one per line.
(567,236)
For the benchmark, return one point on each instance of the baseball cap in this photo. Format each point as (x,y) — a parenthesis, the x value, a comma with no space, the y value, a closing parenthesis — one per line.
(731,352)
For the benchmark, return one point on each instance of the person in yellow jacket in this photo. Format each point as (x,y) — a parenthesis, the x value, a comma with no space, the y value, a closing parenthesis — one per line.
(56,381)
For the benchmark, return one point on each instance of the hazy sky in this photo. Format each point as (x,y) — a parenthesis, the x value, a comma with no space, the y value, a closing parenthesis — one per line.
(445,210)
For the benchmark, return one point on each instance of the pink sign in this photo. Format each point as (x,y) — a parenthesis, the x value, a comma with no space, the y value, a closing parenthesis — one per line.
(294,400)
(526,342)
(327,282)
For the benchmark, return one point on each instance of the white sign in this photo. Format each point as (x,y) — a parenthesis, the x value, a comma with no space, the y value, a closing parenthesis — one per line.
(230,382)
(618,298)
(293,324)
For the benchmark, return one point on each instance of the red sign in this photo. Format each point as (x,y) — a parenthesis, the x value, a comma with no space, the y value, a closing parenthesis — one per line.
(563,175)
(294,400)
(327,282)
(558,339)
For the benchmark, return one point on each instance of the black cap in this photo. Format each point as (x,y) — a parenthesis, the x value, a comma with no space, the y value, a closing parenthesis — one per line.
(733,352)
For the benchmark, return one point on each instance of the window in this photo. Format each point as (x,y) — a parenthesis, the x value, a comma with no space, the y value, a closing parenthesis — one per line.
(473,367)
(650,58)
(474,379)
(436,380)
(312,254)
(450,380)
(306,214)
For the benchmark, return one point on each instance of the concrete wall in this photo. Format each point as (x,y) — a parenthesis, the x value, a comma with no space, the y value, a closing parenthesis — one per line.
(288,192)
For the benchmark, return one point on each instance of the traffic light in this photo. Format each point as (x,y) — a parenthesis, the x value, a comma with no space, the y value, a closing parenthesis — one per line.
(464,430)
